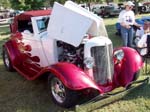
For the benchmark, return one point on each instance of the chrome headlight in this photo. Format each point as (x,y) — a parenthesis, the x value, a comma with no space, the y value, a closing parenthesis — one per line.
(119,54)
(89,62)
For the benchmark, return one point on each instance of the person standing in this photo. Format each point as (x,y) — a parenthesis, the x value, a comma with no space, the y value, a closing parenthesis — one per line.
(127,20)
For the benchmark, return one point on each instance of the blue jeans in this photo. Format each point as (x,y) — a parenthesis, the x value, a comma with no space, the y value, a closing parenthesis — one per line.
(127,36)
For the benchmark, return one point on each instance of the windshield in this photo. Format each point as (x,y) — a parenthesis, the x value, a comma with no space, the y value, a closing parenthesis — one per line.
(110,8)
(42,24)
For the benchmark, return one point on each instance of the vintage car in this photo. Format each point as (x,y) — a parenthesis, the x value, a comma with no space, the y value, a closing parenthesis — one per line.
(146,7)
(71,46)
(110,11)
(97,9)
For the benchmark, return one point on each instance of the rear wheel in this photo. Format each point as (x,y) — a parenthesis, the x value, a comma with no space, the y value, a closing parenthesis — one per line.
(6,60)
(60,94)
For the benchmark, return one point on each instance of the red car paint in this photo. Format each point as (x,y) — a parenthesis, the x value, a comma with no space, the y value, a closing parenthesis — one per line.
(131,63)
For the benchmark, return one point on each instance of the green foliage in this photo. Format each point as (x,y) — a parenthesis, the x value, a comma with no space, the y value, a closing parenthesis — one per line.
(27,4)
(51,2)
(5,3)
(38,4)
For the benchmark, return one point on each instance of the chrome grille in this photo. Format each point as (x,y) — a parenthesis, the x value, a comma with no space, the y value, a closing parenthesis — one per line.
(103,69)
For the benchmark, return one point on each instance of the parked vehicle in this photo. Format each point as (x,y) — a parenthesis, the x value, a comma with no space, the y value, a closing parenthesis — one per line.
(98,9)
(110,11)
(146,7)
(121,6)
(84,5)
(4,14)
(78,59)
(140,8)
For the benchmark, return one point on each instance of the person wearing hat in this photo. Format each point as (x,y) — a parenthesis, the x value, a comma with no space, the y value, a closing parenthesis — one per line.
(127,20)
(142,30)
(142,41)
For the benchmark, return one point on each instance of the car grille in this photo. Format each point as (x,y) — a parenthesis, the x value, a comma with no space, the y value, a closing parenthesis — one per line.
(103,68)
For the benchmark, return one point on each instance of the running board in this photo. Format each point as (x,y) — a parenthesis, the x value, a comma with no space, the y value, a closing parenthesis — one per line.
(102,100)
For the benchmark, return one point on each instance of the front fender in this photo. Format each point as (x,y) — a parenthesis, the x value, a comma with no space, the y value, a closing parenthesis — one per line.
(72,76)
(129,65)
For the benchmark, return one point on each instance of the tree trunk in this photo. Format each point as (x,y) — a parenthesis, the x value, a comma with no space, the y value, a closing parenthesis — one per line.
(107,1)
(136,6)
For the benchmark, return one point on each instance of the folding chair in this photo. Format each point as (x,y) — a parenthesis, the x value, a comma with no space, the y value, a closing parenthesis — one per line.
(147,55)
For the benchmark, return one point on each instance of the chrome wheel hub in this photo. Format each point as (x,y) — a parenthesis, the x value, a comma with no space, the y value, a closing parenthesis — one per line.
(6,59)
(58,90)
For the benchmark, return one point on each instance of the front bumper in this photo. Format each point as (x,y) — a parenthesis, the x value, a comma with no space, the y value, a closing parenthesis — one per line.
(107,98)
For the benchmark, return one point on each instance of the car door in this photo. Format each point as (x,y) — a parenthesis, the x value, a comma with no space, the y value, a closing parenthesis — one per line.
(31,50)
(48,45)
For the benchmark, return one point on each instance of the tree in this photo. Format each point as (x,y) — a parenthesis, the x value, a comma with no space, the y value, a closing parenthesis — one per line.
(27,4)
(5,3)
(51,2)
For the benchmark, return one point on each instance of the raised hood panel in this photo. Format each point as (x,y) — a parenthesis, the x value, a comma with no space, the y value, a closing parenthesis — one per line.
(94,29)
(67,25)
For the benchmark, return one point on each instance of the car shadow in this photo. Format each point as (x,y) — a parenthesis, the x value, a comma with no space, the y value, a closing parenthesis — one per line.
(142,92)
(18,94)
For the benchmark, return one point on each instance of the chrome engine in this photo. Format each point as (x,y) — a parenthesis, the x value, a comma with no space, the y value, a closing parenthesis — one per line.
(69,53)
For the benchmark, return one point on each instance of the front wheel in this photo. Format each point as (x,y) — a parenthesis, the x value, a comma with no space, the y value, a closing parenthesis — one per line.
(60,94)
(6,60)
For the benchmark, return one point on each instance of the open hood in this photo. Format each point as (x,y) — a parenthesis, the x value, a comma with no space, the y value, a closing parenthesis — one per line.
(70,23)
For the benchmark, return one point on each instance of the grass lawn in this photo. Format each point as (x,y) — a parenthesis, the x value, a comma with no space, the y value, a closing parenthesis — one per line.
(20,95)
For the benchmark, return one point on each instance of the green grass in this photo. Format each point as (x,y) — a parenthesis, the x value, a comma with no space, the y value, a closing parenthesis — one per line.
(111,29)
(20,95)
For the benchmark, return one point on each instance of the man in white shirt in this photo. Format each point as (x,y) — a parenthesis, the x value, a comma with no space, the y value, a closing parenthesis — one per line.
(143,30)
(141,38)
(127,20)
(143,43)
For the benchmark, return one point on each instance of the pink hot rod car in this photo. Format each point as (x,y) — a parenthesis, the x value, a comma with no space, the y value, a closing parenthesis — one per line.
(71,46)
